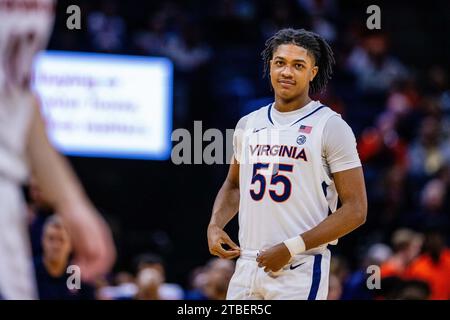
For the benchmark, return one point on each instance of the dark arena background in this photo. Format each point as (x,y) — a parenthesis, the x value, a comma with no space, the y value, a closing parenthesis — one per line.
(391,85)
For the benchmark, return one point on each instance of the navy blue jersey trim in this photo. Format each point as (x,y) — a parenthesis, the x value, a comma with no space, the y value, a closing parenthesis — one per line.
(268,113)
(309,114)
(317,273)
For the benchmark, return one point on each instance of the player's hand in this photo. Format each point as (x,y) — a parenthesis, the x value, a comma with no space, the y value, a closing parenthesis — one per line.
(94,251)
(274,258)
(216,238)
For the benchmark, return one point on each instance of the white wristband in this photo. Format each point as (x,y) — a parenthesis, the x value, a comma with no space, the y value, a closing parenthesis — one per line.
(295,245)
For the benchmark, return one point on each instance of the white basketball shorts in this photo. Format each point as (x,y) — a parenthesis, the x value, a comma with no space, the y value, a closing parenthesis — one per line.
(305,277)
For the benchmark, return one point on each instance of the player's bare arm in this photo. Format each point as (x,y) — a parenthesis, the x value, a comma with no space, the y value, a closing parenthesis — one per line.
(225,208)
(352,214)
(93,244)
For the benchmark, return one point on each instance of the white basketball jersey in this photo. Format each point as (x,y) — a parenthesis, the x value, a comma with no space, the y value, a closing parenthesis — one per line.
(285,185)
(25,27)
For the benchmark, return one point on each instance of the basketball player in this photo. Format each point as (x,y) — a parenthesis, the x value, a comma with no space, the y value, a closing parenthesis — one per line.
(292,160)
(25,26)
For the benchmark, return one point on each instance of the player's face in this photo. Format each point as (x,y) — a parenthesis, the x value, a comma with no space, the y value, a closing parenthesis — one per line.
(291,70)
(56,243)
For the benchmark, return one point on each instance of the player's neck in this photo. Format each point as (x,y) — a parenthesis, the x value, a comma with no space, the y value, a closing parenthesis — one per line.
(291,105)
(55,268)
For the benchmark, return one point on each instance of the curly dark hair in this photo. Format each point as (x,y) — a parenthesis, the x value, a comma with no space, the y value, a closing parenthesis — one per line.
(316,46)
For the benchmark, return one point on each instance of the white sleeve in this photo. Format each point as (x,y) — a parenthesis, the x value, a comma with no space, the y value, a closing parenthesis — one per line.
(237,137)
(339,145)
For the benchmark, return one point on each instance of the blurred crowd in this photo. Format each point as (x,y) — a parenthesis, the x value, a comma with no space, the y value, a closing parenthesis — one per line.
(52,252)
(397,104)
(413,265)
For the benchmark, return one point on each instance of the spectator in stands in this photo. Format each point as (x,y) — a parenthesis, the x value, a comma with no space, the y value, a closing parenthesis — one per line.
(355,286)
(335,288)
(196,283)
(406,244)
(339,267)
(373,65)
(210,282)
(434,204)
(124,287)
(218,276)
(430,152)
(52,273)
(150,261)
(433,265)
(149,282)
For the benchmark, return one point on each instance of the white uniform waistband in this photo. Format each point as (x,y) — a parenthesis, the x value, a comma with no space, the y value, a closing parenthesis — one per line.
(249,254)
(252,254)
